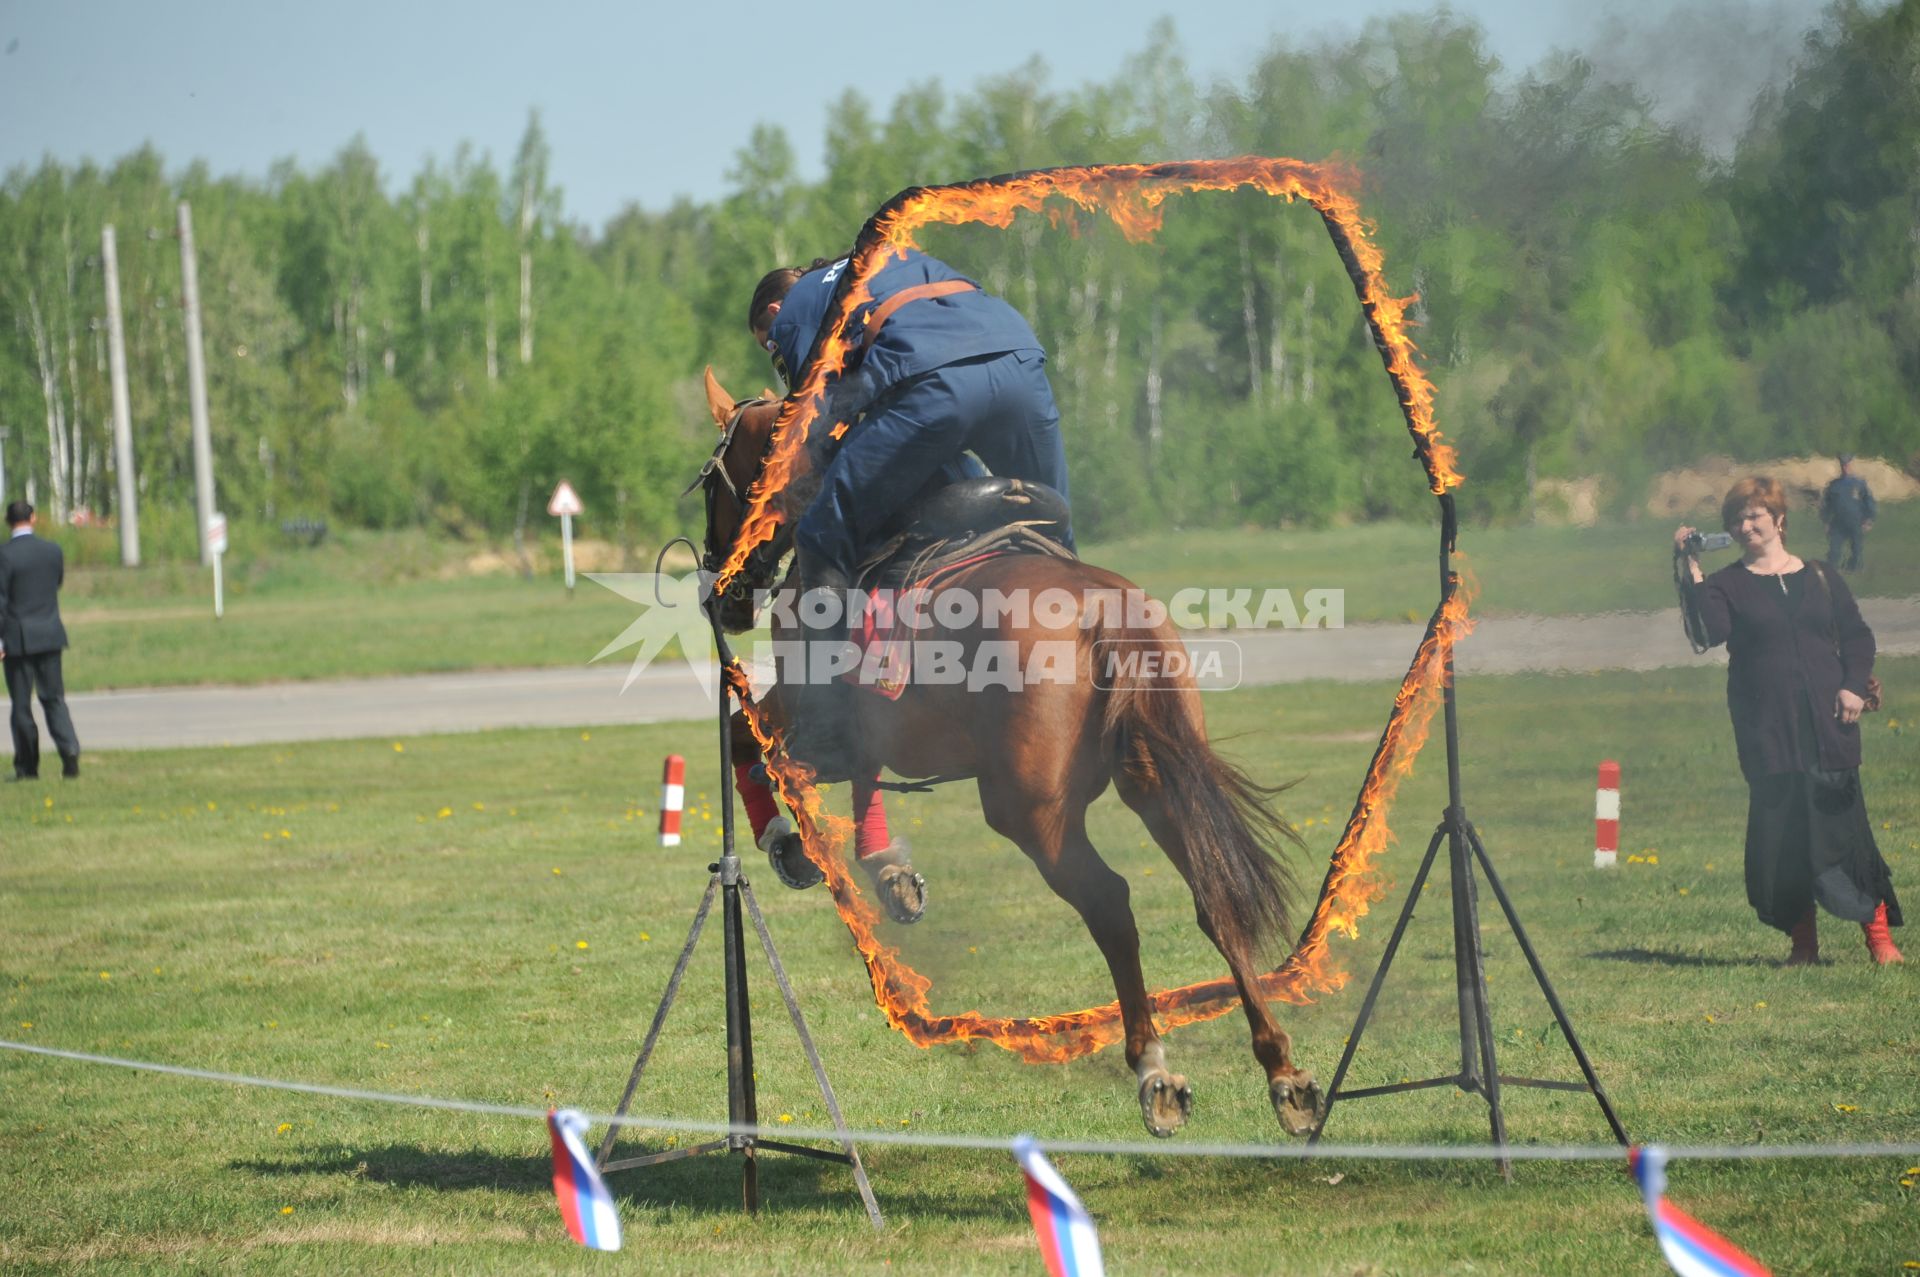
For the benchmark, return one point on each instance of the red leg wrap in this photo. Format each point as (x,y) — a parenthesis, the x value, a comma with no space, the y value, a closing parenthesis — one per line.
(758,798)
(869,820)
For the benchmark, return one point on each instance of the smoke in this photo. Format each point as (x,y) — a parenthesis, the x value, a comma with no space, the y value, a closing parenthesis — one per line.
(1701,63)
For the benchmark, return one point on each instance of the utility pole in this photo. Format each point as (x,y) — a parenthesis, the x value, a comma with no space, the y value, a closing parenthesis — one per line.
(122,415)
(197,388)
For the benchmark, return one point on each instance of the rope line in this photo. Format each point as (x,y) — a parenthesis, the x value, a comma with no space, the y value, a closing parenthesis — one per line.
(991,1143)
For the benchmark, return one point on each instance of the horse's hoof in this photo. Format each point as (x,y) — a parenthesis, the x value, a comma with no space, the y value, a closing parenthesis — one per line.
(1299,1105)
(1166,1101)
(902,892)
(788,855)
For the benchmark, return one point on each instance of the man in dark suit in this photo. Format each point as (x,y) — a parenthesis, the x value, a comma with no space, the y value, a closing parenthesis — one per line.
(31,640)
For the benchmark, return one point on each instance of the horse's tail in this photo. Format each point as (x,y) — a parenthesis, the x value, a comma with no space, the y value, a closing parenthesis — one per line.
(1156,748)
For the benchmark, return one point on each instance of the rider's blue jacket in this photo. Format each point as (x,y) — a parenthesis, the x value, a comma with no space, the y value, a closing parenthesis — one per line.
(924,334)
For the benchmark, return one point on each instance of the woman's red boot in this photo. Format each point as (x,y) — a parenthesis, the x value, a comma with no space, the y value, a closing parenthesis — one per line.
(1879,941)
(1806,940)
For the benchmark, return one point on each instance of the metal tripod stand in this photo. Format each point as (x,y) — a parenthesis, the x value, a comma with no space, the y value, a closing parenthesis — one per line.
(1479,1071)
(737,903)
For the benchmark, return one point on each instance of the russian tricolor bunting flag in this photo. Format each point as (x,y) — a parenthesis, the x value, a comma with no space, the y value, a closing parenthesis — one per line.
(585,1204)
(1068,1243)
(1691,1248)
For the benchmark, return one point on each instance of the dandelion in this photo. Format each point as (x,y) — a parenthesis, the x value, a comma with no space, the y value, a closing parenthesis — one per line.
(106,975)
(1759,1006)
(26,1024)
(479,806)
(286,833)
(1653,859)
(556,871)
(213,806)
(48,801)
(1846,1108)
(383,1046)
(443,813)
(1709,866)
(579,944)
(786,1117)
(973,948)
(283,1128)
(288,1210)
(644,937)
(398,748)
(1683,891)
(586,735)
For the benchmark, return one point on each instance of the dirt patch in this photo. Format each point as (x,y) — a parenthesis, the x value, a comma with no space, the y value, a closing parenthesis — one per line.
(1697,490)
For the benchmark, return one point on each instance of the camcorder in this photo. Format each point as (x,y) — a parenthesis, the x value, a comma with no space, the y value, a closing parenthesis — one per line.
(1701,541)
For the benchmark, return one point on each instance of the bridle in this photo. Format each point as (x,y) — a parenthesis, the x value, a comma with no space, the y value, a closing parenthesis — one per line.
(763,561)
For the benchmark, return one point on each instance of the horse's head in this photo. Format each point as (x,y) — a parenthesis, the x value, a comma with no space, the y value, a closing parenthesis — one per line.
(746,428)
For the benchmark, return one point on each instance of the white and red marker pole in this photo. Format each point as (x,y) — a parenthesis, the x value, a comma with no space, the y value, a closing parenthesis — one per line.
(1606,816)
(673,798)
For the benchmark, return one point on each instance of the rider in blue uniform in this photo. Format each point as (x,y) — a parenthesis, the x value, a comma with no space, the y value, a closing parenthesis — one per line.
(940,369)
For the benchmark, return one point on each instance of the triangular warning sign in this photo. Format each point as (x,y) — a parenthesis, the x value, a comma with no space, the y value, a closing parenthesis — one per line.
(564,500)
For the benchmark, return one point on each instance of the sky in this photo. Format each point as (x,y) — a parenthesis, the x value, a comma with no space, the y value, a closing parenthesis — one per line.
(643,103)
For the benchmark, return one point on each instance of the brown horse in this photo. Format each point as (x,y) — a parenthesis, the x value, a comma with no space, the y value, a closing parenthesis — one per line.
(1041,754)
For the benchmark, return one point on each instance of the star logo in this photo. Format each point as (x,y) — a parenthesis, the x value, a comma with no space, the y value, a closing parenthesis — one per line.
(672,607)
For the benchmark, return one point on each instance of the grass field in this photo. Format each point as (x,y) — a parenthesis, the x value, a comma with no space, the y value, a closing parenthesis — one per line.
(487,917)
(370,604)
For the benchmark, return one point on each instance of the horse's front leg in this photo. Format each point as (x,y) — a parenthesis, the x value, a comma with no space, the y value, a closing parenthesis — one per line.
(888,861)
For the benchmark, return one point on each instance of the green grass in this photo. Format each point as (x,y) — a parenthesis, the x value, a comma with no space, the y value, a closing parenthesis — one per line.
(417,927)
(370,604)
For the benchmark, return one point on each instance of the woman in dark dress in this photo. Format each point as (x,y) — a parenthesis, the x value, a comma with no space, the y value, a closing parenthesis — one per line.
(1796,685)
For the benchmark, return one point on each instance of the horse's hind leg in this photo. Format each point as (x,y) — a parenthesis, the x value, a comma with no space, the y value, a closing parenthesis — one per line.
(1295,1095)
(1052,831)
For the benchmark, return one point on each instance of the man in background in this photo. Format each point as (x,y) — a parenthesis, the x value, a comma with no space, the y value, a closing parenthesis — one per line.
(31,640)
(1847,507)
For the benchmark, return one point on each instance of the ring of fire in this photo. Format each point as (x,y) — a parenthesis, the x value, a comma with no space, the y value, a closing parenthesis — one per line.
(1131,194)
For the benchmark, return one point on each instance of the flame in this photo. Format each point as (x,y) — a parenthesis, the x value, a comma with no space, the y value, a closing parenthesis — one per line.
(1351,887)
(1130,194)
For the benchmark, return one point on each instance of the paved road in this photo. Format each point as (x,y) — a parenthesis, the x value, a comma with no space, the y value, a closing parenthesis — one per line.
(592,696)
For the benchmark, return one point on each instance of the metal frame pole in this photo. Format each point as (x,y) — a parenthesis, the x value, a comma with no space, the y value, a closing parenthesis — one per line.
(1479,1067)
(736,904)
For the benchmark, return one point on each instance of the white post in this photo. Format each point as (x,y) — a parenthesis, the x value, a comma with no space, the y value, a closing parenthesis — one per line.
(4,497)
(566,545)
(214,534)
(122,414)
(196,384)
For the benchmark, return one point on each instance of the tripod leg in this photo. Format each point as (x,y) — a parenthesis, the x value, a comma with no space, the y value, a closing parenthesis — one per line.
(813,1056)
(659,1020)
(742,1106)
(1546,985)
(1476,1024)
(1379,978)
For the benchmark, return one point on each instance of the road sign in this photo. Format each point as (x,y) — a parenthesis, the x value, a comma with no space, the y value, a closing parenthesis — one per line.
(564,500)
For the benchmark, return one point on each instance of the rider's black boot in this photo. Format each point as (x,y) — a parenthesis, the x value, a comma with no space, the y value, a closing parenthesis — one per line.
(819,732)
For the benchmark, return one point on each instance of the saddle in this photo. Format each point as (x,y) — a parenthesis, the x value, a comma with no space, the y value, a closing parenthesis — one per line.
(961,524)
(969,520)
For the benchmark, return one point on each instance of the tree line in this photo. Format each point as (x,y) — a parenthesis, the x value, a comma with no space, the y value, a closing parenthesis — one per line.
(1600,294)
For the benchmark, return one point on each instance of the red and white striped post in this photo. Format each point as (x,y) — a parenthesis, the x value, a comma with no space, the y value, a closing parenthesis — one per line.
(673,797)
(1606,816)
